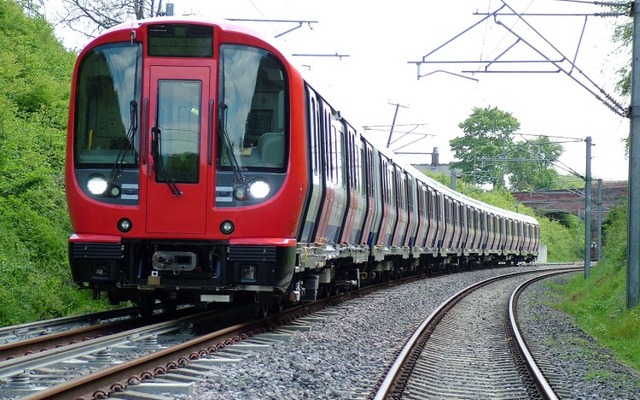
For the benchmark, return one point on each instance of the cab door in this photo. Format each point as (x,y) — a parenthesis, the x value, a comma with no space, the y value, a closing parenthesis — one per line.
(177,136)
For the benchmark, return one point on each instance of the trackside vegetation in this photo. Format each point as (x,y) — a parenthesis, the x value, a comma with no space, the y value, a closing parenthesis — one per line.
(35,71)
(35,280)
(598,304)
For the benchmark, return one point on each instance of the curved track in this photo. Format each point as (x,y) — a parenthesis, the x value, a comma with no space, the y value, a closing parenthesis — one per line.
(470,348)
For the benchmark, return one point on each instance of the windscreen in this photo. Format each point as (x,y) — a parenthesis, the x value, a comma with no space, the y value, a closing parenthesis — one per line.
(252,111)
(107,106)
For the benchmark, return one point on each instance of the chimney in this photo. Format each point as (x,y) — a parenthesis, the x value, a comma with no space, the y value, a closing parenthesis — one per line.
(435,157)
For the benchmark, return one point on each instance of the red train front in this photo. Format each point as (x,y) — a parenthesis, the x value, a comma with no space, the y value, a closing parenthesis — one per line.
(181,178)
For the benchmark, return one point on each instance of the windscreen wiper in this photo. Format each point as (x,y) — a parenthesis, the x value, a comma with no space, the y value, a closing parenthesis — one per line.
(222,128)
(116,171)
(157,159)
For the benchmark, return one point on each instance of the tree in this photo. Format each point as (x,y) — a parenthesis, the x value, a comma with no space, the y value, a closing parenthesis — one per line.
(488,153)
(35,82)
(623,35)
(487,135)
(532,165)
(91,17)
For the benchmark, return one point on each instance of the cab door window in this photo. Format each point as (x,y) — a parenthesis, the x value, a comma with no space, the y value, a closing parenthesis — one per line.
(179,121)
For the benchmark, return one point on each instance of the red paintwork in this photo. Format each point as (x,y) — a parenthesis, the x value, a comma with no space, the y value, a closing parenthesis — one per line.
(277,219)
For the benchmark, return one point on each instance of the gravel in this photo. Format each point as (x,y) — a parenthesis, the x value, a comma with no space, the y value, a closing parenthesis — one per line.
(344,355)
(580,365)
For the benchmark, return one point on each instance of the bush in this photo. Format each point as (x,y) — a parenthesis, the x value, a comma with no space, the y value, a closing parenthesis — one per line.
(35,281)
(598,304)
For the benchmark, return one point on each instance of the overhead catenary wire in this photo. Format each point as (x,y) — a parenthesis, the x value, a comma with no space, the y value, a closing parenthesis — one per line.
(581,79)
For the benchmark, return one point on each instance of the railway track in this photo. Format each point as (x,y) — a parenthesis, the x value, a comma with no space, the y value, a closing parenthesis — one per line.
(15,333)
(22,340)
(171,359)
(143,355)
(90,368)
(470,347)
(37,337)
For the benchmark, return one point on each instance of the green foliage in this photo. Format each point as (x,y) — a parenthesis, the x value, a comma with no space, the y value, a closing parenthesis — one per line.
(564,243)
(35,282)
(614,236)
(537,173)
(487,133)
(488,140)
(623,35)
(598,304)
(35,68)
(568,182)
(499,198)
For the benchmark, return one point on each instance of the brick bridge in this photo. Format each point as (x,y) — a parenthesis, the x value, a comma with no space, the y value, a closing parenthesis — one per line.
(572,200)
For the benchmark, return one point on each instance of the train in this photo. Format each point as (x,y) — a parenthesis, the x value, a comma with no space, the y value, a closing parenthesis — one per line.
(202,167)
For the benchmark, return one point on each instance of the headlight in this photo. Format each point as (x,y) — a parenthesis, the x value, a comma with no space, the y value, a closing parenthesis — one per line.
(125,225)
(227,227)
(258,189)
(97,185)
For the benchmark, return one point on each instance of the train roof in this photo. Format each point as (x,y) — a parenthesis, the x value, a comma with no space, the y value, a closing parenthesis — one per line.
(221,22)
(224,24)
(447,190)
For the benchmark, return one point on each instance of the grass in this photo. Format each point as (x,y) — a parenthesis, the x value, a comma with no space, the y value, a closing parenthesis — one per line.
(598,307)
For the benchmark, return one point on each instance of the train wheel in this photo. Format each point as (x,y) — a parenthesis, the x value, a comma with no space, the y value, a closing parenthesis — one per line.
(277,306)
(146,304)
(262,304)
(169,303)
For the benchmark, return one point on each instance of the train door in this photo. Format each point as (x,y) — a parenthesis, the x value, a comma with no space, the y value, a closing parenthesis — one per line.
(389,214)
(400,189)
(433,227)
(176,139)
(370,180)
(316,189)
(412,208)
(422,214)
(328,178)
(354,217)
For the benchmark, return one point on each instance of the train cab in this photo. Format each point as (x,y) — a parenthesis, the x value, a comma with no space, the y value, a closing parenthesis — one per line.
(181,144)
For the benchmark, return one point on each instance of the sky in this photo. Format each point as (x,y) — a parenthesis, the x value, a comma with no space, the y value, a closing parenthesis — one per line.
(377,75)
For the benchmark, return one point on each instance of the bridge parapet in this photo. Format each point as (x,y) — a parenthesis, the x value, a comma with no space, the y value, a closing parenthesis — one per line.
(572,200)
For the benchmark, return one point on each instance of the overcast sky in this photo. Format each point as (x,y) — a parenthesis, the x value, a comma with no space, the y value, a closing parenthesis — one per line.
(381,38)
